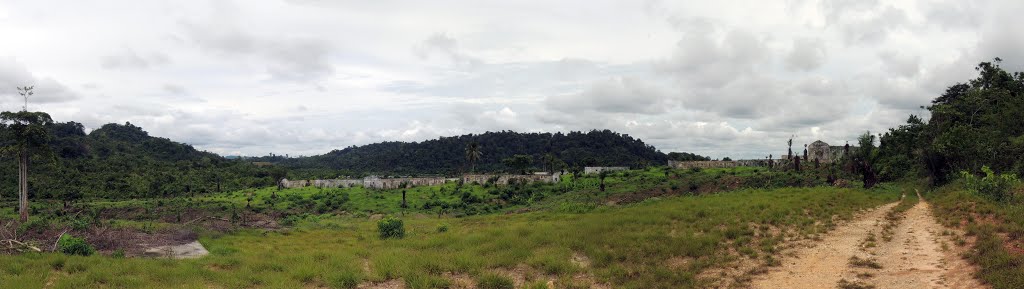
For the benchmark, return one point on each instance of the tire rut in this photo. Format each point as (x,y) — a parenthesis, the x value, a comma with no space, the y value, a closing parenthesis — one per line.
(853,256)
(824,264)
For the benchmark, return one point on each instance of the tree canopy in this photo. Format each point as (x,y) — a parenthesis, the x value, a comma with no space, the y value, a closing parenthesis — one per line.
(976,123)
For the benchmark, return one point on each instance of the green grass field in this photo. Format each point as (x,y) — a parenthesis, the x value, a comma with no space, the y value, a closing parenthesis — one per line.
(671,242)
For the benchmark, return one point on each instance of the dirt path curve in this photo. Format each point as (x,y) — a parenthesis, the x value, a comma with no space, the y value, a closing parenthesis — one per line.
(917,256)
(823,265)
(920,257)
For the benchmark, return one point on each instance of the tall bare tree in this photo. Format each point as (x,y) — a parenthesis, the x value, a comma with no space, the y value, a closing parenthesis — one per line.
(24,134)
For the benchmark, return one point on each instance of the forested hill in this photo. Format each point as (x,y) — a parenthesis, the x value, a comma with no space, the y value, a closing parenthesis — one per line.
(447,155)
(124,161)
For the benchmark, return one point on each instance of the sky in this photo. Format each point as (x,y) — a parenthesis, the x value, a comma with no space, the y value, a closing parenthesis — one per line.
(304,77)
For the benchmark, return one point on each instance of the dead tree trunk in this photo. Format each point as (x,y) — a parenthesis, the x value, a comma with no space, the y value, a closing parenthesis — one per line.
(23,185)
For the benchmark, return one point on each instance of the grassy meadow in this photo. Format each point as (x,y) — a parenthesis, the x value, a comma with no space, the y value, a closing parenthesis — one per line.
(663,242)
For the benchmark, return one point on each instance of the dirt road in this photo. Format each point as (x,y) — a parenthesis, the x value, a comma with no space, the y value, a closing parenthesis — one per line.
(873,251)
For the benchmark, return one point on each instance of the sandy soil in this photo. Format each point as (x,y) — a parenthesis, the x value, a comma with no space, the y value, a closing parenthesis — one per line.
(183,251)
(823,265)
(915,258)
(918,256)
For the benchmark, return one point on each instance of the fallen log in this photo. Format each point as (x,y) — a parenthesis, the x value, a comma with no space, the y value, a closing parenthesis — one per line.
(11,243)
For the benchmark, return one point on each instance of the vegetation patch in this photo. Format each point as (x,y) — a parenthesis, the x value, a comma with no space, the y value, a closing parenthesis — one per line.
(391,228)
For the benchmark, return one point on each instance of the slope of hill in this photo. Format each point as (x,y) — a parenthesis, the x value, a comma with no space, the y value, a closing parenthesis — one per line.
(446,155)
(124,161)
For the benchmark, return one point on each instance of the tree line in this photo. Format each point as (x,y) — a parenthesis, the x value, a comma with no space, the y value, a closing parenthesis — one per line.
(973,124)
(503,151)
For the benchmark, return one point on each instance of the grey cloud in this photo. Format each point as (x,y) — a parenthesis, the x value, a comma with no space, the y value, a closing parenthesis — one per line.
(898,93)
(953,14)
(864,22)
(293,58)
(1000,38)
(523,79)
(708,60)
(898,64)
(47,90)
(300,59)
(174,89)
(617,95)
(129,59)
(807,54)
(447,47)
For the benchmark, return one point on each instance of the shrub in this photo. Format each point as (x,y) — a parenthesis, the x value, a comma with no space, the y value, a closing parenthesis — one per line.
(391,227)
(118,254)
(494,281)
(74,246)
(991,185)
(442,228)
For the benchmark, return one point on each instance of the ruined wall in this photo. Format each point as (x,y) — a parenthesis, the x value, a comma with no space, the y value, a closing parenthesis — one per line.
(375,182)
(825,153)
(505,178)
(372,182)
(716,164)
(598,170)
(395,183)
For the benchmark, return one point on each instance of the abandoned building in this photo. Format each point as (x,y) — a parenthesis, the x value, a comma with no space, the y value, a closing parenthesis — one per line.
(818,151)
(598,170)
(824,153)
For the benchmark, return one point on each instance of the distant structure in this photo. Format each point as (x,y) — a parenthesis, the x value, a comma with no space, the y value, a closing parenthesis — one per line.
(375,182)
(716,164)
(598,170)
(506,179)
(824,153)
(817,152)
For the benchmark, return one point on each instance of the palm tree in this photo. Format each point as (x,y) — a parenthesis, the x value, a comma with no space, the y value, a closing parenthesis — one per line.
(602,175)
(24,134)
(473,155)
(551,161)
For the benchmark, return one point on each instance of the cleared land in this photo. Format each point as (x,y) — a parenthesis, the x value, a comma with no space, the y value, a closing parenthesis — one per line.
(669,242)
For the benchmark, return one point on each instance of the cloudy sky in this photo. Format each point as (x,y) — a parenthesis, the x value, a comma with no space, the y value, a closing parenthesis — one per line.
(302,77)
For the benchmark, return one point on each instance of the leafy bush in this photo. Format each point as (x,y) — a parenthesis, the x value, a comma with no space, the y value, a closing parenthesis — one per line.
(442,228)
(391,227)
(494,281)
(74,246)
(996,186)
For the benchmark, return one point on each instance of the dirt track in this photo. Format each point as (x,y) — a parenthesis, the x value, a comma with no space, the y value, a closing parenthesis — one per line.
(917,256)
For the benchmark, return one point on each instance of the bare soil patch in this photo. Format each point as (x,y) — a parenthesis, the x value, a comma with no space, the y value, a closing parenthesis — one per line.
(916,255)
(824,264)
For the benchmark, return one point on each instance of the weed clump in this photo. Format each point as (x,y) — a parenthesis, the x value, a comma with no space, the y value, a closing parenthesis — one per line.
(391,228)
(74,246)
(991,185)
(495,281)
(865,263)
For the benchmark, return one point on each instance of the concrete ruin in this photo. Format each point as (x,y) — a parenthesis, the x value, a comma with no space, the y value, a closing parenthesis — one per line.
(817,152)
(506,179)
(598,170)
(824,153)
(375,182)
(716,164)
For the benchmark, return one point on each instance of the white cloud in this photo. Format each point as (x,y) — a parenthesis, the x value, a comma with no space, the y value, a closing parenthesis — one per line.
(726,78)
